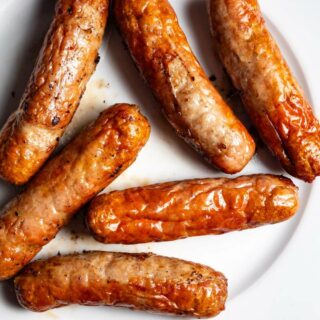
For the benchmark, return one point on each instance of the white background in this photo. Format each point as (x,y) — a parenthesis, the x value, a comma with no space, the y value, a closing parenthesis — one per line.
(272,271)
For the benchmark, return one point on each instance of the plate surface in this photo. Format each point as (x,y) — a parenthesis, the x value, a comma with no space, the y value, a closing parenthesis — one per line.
(244,257)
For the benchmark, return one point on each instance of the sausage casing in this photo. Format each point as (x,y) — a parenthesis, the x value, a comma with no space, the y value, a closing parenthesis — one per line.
(84,167)
(141,281)
(273,98)
(189,101)
(67,59)
(176,210)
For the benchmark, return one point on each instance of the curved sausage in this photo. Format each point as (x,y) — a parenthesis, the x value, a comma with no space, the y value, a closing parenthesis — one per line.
(85,167)
(141,281)
(273,98)
(67,59)
(189,101)
(176,210)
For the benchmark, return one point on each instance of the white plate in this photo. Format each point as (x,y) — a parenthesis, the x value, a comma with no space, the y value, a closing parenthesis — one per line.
(243,257)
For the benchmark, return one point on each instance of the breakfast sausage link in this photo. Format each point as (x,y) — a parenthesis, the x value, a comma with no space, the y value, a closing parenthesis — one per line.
(141,281)
(273,98)
(84,167)
(66,61)
(189,101)
(176,210)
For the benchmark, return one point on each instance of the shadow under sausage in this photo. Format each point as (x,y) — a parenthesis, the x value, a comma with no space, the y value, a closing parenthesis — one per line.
(9,295)
(27,56)
(119,55)
(7,193)
(76,228)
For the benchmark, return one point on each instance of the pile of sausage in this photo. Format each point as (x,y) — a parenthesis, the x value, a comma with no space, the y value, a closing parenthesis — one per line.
(59,187)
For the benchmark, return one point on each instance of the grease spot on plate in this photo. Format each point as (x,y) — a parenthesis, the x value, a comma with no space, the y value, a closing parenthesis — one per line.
(51,315)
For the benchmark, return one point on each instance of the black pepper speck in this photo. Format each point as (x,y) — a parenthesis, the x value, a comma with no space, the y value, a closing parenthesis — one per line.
(213,78)
(55,120)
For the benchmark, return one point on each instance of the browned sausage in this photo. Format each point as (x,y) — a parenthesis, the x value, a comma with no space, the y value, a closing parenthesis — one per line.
(85,167)
(273,98)
(189,101)
(141,281)
(176,210)
(67,59)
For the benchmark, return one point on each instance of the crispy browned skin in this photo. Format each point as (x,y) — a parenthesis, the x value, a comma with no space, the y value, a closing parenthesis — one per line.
(189,101)
(85,167)
(176,210)
(273,98)
(67,59)
(141,281)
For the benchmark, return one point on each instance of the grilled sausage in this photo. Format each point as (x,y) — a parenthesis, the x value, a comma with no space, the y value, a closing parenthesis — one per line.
(67,59)
(273,98)
(85,167)
(176,210)
(189,101)
(141,281)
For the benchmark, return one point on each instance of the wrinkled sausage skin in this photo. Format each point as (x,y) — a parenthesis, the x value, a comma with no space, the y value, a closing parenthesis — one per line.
(86,166)
(176,210)
(192,105)
(273,98)
(141,281)
(67,59)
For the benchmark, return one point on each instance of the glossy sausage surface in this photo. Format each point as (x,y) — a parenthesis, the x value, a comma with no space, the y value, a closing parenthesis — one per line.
(67,59)
(84,167)
(176,210)
(140,281)
(273,98)
(189,101)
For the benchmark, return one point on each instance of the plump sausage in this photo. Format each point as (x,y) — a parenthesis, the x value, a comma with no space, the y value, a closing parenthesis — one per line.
(85,167)
(176,210)
(141,281)
(189,101)
(67,59)
(273,98)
